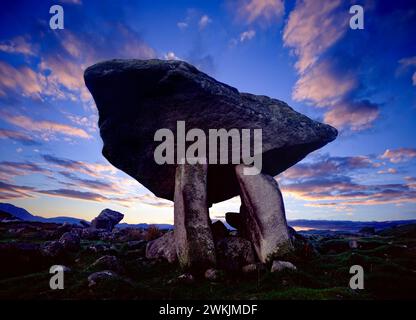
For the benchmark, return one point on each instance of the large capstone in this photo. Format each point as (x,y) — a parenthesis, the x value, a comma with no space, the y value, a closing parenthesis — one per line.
(135,98)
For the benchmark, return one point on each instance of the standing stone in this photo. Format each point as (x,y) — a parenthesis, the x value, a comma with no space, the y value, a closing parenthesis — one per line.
(193,237)
(264,214)
(106,220)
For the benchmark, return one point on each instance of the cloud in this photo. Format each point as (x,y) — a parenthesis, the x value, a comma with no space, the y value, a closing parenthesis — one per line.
(71,1)
(17,136)
(11,169)
(326,165)
(388,171)
(407,63)
(171,56)
(349,193)
(354,115)
(247,35)
(88,168)
(204,21)
(322,86)
(45,127)
(23,80)
(18,45)
(399,155)
(98,185)
(263,11)
(313,30)
(11,191)
(74,194)
(182,25)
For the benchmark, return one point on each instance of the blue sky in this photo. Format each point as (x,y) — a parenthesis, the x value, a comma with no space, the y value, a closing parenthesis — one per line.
(363,82)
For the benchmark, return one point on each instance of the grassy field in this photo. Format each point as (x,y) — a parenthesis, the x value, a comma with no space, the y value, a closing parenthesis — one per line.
(388,259)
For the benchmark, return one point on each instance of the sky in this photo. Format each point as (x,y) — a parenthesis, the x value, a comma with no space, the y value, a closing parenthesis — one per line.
(362,81)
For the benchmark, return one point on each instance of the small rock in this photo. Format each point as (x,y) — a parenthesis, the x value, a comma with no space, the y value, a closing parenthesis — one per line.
(90,234)
(100,276)
(213,274)
(279,266)
(253,268)
(186,278)
(70,241)
(108,263)
(353,244)
(52,249)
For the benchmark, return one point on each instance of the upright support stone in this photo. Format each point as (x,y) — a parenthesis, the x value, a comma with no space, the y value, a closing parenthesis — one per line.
(194,241)
(264,214)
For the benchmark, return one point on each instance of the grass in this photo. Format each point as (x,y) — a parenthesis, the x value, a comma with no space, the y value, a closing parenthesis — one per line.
(389,263)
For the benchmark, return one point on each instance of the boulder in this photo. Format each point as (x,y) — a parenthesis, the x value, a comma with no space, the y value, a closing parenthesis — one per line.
(253,268)
(193,236)
(135,98)
(70,241)
(52,249)
(108,263)
(106,220)
(233,253)
(100,277)
(214,274)
(279,266)
(264,215)
(163,247)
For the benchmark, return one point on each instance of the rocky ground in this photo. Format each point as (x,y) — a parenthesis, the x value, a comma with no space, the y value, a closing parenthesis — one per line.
(103,264)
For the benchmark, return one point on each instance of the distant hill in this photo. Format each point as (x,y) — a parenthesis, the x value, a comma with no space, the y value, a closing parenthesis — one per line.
(25,215)
(163,226)
(301,224)
(346,226)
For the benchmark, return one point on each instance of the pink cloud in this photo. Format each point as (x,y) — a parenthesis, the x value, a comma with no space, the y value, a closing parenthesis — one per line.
(18,45)
(399,155)
(321,86)
(312,28)
(354,115)
(263,11)
(22,79)
(45,127)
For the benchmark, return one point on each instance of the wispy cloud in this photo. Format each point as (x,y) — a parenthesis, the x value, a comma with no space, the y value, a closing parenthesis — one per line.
(18,45)
(247,35)
(356,115)
(399,155)
(45,127)
(88,168)
(264,12)
(11,169)
(204,21)
(409,63)
(18,136)
(313,28)
(23,80)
